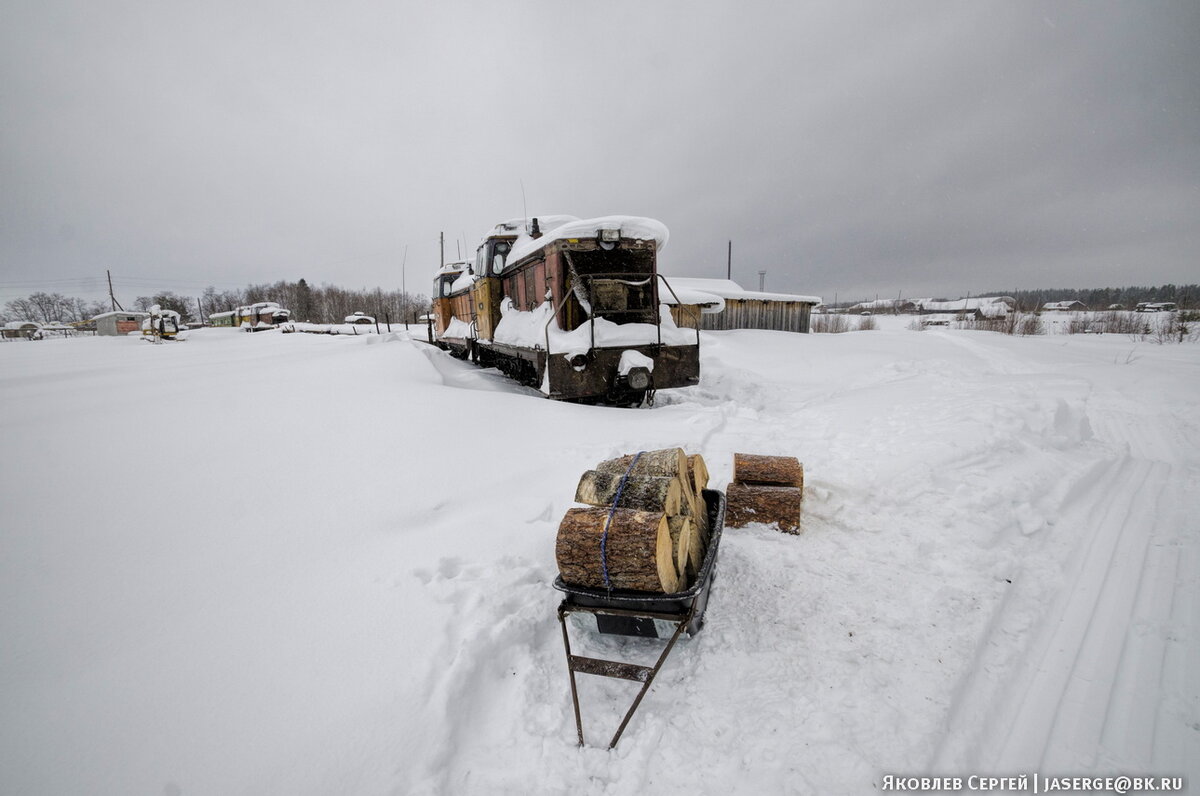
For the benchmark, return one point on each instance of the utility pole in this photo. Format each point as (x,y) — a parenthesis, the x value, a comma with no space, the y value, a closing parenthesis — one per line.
(729,262)
(403,287)
(111,297)
(199,312)
(442,245)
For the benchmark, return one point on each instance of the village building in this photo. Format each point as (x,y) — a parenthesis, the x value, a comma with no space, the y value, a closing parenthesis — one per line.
(263,315)
(883,306)
(360,318)
(1064,306)
(119,322)
(719,304)
(15,330)
(980,308)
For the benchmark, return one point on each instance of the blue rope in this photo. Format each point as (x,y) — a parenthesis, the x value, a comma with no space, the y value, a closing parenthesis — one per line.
(608,522)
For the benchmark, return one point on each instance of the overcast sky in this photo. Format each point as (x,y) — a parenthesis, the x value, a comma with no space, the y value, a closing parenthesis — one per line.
(857,148)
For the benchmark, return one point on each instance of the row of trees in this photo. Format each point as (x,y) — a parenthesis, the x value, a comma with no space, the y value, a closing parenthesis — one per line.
(323,304)
(1104,297)
(51,308)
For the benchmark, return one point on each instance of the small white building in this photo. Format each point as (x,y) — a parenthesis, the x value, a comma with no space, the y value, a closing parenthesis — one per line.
(359,317)
(119,322)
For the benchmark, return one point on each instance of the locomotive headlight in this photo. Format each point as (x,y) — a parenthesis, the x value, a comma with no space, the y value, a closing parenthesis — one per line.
(638,378)
(609,238)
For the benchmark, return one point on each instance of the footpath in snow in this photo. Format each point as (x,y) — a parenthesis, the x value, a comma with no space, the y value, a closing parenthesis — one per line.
(308,564)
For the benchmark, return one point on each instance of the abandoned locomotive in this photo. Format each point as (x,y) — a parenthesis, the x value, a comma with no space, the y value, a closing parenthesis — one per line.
(569,306)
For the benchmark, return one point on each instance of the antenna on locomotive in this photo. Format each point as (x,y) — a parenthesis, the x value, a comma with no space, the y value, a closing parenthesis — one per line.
(524,207)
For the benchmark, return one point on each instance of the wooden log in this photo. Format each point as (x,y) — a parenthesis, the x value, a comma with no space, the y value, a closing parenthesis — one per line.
(697,547)
(749,468)
(667,462)
(770,505)
(645,492)
(682,531)
(698,476)
(697,472)
(638,552)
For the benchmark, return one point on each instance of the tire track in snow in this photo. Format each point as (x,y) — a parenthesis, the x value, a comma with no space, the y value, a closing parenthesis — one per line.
(1095,681)
(1064,701)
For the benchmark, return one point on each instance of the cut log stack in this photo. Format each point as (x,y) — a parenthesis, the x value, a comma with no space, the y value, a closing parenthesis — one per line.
(766,489)
(645,527)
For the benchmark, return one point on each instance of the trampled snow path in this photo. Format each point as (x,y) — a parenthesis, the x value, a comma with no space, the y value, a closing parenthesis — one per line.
(350,590)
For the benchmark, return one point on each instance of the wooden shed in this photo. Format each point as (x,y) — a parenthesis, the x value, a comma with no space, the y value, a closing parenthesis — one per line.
(724,304)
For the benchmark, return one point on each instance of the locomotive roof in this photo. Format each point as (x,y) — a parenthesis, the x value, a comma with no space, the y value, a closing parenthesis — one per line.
(634,227)
(455,267)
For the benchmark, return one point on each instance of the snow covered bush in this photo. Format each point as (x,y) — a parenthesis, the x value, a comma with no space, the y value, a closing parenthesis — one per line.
(830,324)
(1030,324)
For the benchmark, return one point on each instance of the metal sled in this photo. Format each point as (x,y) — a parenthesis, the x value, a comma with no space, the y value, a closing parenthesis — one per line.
(633,613)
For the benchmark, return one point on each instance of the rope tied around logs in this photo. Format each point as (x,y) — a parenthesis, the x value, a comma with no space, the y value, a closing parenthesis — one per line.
(608,521)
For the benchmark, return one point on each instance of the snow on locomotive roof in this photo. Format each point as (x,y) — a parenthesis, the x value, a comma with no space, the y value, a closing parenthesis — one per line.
(455,267)
(545,223)
(635,227)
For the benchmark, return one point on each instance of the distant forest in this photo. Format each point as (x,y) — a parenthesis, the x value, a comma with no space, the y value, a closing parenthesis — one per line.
(323,304)
(1104,297)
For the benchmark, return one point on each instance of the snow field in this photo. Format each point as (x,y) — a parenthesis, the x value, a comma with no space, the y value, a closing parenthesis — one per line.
(312,564)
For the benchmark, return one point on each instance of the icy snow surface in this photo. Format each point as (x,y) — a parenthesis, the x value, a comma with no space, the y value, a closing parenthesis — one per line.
(998,570)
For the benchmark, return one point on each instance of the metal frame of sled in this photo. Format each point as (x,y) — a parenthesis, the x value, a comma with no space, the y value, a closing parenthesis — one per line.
(631,613)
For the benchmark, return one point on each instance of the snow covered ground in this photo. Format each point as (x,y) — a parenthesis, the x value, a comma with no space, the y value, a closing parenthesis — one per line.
(309,564)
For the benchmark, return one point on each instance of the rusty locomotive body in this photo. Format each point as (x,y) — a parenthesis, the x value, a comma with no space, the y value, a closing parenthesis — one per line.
(568,306)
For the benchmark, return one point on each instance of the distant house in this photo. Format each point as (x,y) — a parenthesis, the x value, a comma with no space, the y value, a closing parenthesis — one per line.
(359,317)
(14,330)
(718,304)
(883,306)
(1064,306)
(119,322)
(263,315)
(1156,306)
(980,308)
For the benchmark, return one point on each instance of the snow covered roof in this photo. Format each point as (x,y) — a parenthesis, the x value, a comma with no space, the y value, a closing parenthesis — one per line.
(260,307)
(882,304)
(115,313)
(455,267)
(565,227)
(963,304)
(725,289)
(22,325)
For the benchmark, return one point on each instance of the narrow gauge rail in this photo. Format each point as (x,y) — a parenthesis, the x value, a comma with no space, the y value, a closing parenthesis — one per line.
(569,306)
